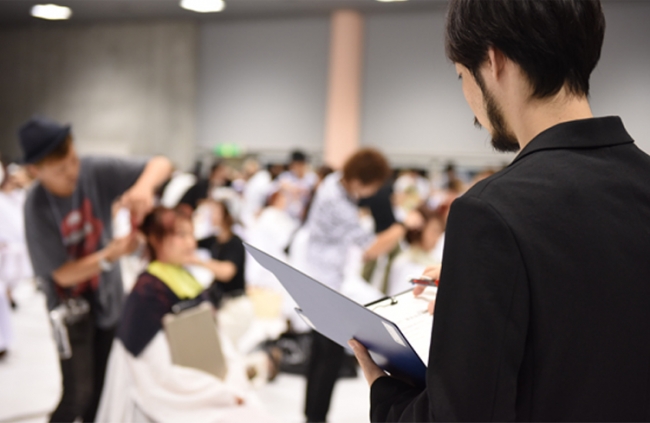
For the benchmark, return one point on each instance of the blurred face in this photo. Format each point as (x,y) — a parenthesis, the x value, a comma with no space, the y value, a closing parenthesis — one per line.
(298,168)
(59,177)
(179,246)
(487,111)
(430,234)
(275,170)
(219,175)
(217,215)
(358,189)
(250,168)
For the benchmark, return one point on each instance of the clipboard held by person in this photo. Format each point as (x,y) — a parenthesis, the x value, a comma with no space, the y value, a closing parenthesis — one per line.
(340,319)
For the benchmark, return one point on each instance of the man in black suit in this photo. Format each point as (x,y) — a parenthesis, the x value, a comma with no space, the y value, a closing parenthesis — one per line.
(543,310)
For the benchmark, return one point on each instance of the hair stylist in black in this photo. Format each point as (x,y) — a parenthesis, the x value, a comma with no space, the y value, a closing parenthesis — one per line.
(228,255)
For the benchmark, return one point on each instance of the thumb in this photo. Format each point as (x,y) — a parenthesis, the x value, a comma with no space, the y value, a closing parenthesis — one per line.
(370,369)
(361,353)
(419,289)
(123,201)
(359,350)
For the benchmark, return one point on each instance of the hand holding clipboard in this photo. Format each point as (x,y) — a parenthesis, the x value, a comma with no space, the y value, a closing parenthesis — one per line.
(370,369)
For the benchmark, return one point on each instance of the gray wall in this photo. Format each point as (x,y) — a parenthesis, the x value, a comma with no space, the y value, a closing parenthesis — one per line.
(170,87)
(262,83)
(127,89)
(620,85)
(414,107)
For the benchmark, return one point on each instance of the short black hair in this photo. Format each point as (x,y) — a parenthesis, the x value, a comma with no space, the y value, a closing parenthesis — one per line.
(298,156)
(61,151)
(216,165)
(555,42)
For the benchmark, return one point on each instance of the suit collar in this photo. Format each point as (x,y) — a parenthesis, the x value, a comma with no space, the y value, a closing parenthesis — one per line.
(585,133)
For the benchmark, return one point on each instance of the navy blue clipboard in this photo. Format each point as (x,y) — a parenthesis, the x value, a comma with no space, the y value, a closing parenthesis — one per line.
(340,319)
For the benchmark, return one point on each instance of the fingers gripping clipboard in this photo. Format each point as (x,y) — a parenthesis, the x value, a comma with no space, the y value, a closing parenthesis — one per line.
(340,319)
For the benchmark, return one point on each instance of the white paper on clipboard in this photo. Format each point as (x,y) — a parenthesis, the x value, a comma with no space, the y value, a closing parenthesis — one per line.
(411,315)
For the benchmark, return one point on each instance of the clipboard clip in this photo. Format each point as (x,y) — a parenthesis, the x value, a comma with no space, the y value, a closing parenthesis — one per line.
(393,301)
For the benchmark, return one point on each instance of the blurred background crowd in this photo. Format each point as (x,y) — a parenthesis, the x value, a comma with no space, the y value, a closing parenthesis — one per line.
(267,204)
(252,110)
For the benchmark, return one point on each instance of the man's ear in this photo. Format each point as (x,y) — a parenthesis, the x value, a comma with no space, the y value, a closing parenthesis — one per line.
(496,62)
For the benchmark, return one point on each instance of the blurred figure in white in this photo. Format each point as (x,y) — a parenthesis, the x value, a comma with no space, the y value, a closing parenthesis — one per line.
(15,265)
(249,168)
(271,232)
(131,265)
(298,182)
(411,189)
(257,190)
(442,198)
(298,246)
(203,220)
(297,257)
(424,250)
(177,186)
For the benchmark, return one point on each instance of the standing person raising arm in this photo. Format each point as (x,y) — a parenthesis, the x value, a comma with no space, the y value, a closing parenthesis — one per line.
(68,223)
(333,225)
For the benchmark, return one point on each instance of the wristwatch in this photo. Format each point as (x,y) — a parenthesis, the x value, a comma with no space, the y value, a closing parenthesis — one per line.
(105,265)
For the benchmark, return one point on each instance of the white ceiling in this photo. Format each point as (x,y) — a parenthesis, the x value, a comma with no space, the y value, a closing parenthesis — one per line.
(17,11)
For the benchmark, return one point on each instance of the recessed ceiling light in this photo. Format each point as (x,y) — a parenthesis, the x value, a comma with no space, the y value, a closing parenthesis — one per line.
(203,6)
(51,12)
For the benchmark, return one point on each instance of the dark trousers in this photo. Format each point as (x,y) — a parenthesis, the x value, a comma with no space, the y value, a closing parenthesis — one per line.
(325,363)
(83,373)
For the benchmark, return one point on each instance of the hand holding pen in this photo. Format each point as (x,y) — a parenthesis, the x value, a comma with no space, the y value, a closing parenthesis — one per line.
(430,277)
(424,281)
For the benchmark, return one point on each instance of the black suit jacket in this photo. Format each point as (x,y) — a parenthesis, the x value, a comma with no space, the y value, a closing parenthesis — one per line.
(543,311)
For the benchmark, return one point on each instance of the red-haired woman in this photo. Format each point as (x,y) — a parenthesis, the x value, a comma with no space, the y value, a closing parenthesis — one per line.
(141,378)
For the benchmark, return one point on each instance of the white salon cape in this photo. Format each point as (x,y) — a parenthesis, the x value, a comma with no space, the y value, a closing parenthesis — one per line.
(15,265)
(149,388)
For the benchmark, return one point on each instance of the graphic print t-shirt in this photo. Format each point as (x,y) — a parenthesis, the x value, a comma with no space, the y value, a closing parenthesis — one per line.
(64,229)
